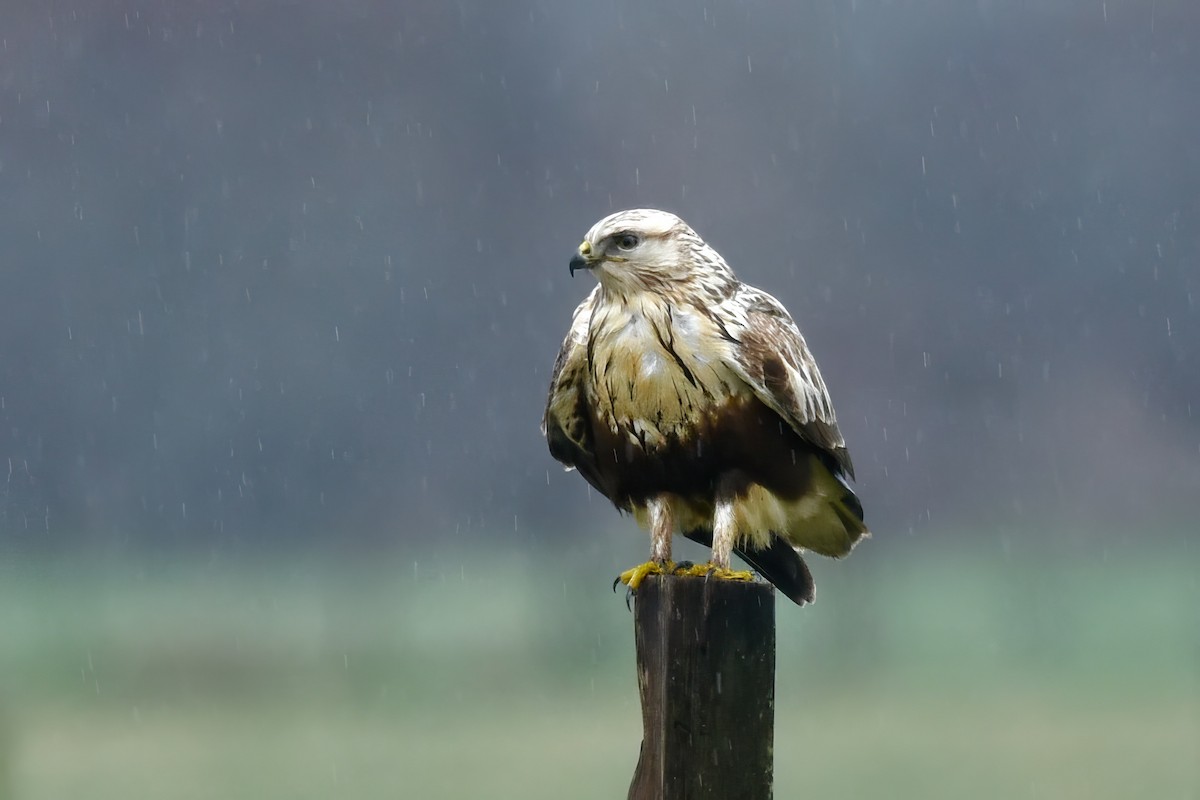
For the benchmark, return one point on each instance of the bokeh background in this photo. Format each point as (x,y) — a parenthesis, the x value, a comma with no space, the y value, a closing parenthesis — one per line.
(281,284)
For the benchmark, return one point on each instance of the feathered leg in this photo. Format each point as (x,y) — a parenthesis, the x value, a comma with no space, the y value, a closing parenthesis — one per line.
(724,532)
(723,539)
(662,526)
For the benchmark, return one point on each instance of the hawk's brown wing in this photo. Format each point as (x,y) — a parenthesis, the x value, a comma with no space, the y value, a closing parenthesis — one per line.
(771,356)
(566,422)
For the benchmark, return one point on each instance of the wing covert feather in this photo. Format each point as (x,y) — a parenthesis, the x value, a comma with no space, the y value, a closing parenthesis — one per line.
(771,355)
(565,423)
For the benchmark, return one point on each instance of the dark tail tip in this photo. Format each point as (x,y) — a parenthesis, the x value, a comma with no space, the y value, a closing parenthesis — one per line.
(783,567)
(780,564)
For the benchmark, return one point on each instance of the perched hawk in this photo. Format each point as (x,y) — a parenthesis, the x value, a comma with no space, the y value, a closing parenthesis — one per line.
(690,399)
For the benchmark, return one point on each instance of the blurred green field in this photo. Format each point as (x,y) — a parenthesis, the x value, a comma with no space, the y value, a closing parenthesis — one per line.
(464,677)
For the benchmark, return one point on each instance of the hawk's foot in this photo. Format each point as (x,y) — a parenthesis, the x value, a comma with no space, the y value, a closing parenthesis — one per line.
(633,577)
(711,570)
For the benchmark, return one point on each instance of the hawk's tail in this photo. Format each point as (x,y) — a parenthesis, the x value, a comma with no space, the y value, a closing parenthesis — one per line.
(780,564)
(785,568)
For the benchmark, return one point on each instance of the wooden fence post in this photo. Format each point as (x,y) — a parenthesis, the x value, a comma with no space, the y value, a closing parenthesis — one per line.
(706,673)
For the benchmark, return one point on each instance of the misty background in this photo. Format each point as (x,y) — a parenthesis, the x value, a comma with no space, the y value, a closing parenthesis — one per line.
(281,278)
(298,270)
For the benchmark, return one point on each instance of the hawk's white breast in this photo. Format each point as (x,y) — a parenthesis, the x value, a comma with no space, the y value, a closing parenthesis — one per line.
(657,368)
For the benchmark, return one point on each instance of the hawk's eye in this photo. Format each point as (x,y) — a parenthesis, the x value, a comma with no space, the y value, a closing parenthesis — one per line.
(628,241)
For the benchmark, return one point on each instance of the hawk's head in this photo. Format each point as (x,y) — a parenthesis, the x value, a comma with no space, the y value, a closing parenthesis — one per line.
(644,249)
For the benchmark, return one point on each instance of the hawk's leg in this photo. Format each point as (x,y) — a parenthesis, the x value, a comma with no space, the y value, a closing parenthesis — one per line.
(724,532)
(662,525)
(724,536)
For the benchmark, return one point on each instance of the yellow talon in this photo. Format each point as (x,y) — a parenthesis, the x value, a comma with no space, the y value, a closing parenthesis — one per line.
(633,577)
(711,570)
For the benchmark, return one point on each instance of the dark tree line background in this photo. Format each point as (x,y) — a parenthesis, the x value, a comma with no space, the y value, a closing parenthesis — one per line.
(296,271)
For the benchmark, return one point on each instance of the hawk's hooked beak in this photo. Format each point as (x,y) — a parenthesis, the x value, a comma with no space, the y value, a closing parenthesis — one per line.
(583,258)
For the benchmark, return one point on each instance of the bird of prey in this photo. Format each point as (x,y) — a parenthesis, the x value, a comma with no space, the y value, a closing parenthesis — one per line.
(690,399)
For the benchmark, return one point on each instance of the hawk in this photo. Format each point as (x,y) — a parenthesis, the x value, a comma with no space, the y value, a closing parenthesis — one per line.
(690,399)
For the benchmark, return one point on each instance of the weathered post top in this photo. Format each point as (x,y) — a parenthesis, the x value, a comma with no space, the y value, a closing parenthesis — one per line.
(706,673)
